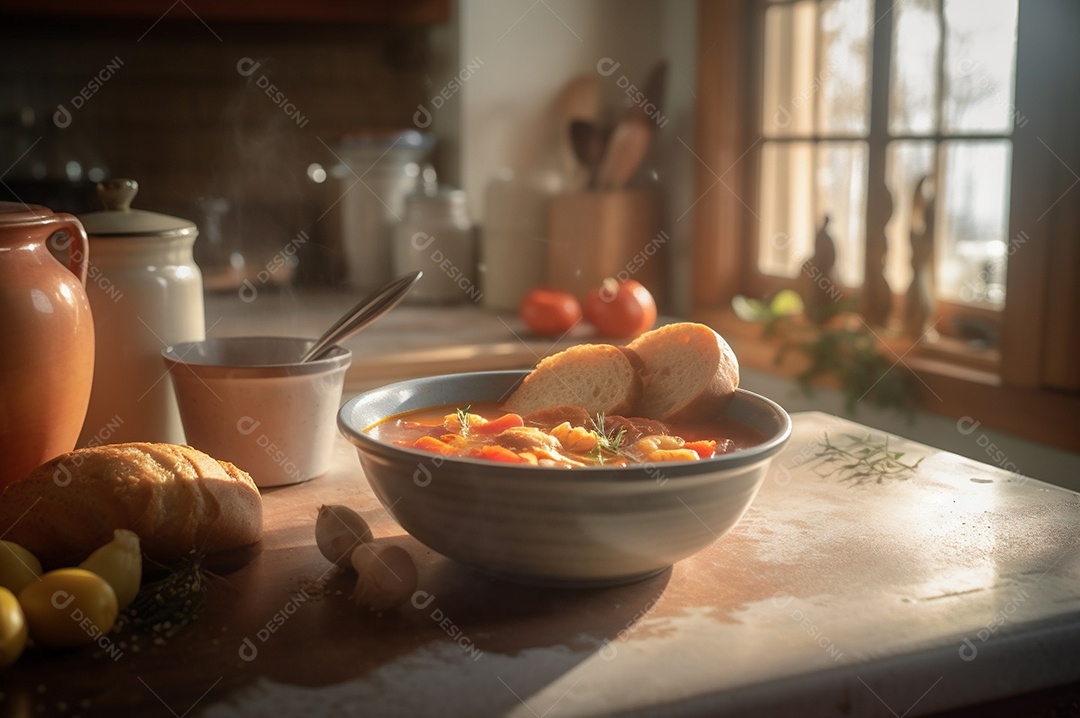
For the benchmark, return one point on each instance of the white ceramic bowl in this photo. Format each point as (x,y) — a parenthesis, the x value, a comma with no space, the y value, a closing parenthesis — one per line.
(249,401)
(581,527)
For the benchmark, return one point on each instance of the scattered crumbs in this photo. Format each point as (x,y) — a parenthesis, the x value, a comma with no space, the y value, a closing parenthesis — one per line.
(41,688)
(84,703)
(315,589)
(981,481)
(62,706)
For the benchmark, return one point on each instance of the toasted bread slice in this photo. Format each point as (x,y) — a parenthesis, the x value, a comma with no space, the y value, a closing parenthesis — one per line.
(689,373)
(597,377)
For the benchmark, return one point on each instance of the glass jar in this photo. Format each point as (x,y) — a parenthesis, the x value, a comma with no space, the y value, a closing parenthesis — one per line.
(436,237)
(381,170)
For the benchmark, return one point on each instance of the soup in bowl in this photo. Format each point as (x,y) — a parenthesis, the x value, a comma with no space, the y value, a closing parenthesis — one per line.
(570,514)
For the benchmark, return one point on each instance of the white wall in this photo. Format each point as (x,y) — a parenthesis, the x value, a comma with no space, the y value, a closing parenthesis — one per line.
(523,52)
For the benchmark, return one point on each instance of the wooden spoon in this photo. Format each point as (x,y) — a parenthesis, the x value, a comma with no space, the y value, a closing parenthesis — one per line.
(579,100)
(589,141)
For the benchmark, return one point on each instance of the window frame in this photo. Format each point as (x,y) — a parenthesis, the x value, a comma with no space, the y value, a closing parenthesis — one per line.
(1018,389)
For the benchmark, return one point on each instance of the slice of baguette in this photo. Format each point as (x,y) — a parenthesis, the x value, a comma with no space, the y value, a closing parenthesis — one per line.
(597,377)
(690,372)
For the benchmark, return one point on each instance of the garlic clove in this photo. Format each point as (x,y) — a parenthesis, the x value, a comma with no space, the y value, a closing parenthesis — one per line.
(386,576)
(338,532)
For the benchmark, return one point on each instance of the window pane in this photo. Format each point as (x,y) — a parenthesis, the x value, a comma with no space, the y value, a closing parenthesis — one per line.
(905,164)
(843,77)
(800,183)
(787,207)
(972,220)
(790,49)
(980,54)
(913,89)
(841,194)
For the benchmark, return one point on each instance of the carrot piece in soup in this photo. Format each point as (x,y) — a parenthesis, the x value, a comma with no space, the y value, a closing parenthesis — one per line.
(704,448)
(430,443)
(498,426)
(494,452)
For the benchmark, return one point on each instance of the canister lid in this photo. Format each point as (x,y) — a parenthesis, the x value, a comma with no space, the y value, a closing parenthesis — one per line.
(118,219)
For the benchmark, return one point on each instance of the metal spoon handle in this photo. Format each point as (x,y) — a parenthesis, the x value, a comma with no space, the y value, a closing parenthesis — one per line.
(366,311)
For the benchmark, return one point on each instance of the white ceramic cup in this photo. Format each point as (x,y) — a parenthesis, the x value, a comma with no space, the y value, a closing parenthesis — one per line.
(249,401)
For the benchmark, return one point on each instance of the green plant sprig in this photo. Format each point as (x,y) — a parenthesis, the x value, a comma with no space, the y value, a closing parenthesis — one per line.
(609,441)
(866,459)
(463,419)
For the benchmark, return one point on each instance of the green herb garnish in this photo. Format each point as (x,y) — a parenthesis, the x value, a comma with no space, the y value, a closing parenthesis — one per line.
(865,459)
(463,419)
(609,441)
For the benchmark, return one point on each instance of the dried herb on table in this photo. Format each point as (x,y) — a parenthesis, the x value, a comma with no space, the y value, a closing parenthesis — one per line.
(864,460)
(165,606)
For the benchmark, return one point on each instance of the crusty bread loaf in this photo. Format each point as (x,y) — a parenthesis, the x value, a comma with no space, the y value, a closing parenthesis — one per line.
(175,498)
(600,378)
(689,373)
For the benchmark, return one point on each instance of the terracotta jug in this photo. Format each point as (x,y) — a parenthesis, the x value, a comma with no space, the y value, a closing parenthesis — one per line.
(46,337)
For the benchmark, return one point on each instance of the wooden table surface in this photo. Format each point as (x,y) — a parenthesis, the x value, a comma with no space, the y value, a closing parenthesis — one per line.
(835,595)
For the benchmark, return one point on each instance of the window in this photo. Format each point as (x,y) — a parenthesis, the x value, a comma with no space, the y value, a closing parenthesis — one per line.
(841,107)
(834,144)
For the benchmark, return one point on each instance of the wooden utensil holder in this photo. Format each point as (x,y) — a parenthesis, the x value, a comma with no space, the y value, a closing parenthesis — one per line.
(593,235)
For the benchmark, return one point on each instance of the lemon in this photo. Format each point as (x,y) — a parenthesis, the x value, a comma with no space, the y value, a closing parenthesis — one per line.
(18,566)
(69,607)
(12,629)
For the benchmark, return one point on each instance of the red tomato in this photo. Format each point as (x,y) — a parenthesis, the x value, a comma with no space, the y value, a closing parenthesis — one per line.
(620,309)
(549,312)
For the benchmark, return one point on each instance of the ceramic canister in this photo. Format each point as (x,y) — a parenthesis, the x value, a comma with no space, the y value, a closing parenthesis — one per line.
(145,294)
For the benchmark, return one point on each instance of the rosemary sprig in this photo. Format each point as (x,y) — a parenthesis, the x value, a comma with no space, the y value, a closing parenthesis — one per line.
(865,459)
(609,441)
(165,606)
(463,419)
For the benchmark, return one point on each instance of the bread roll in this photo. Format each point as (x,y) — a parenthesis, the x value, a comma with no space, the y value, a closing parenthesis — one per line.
(175,498)
(690,372)
(600,378)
